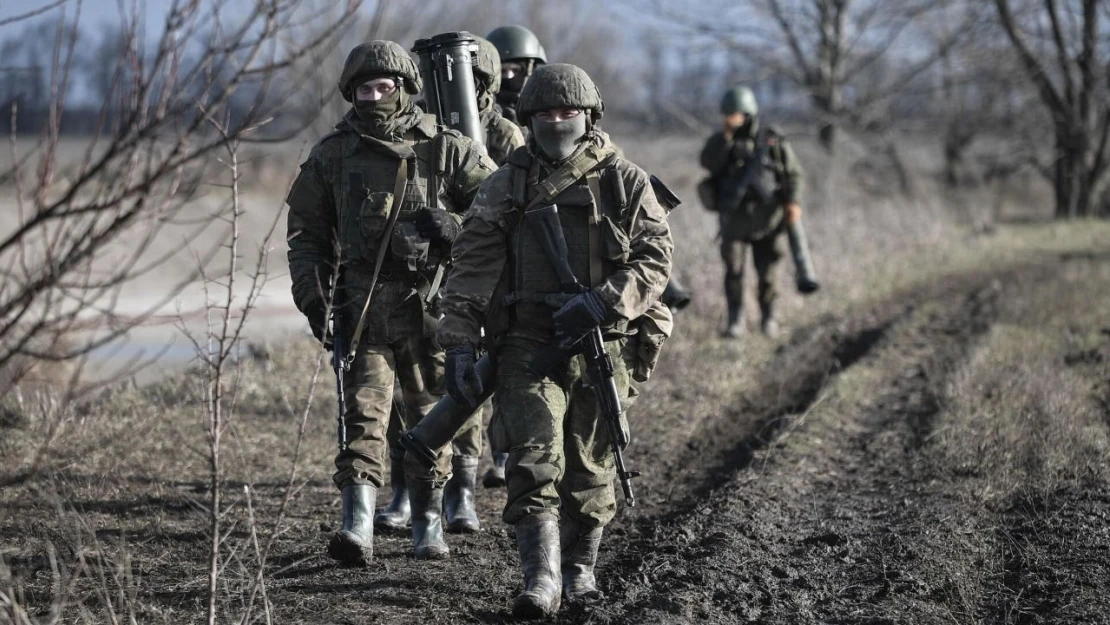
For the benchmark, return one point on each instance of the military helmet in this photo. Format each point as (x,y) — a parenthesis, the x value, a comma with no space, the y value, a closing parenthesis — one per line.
(516,43)
(488,66)
(739,99)
(559,85)
(382,58)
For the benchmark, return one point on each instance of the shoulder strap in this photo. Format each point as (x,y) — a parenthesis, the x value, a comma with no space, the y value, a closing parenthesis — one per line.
(572,171)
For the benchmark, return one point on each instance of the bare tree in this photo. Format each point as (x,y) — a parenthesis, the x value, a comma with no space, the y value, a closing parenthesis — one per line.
(87,224)
(1063,50)
(850,56)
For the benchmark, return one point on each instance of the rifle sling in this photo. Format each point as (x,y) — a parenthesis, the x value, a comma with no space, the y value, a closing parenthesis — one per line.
(383,247)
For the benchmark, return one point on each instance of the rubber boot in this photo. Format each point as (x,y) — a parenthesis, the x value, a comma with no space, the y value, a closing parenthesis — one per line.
(458,496)
(427,524)
(495,476)
(537,539)
(353,544)
(768,325)
(735,327)
(580,545)
(395,516)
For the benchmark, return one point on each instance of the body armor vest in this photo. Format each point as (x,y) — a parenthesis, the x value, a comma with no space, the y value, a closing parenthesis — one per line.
(365,200)
(595,247)
(758,210)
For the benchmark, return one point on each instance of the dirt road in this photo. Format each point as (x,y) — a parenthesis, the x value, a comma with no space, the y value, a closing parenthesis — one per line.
(938,455)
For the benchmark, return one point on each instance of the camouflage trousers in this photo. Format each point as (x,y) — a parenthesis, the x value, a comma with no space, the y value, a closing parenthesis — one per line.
(468,442)
(558,445)
(417,365)
(766,254)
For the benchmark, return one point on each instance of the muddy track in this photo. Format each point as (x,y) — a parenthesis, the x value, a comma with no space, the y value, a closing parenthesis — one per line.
(810,489)
(853,530)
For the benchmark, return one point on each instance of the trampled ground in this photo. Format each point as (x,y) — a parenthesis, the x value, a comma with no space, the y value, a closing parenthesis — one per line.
(928,443)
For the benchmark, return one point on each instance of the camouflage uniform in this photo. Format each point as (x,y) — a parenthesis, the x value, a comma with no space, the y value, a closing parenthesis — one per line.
(749,221)
(343,197)
(559,461)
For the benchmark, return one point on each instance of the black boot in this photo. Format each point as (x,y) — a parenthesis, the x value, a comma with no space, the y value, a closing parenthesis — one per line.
(353,544)
(735,327)
(537,538)
(427,524)
(395,517)
(458,496)
(495,476)
(580,545)
(769,325)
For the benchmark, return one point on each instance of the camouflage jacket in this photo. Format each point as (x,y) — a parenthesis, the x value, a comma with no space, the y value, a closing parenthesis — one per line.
(342,199)
(502,135)
(496,250)
(751,217)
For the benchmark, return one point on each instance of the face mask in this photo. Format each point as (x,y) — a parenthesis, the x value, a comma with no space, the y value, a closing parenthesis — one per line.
(513,85)
(379,110)
(558,140)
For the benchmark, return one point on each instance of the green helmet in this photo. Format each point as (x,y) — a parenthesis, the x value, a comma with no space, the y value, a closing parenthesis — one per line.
(739,99)
(515,43)
(488,66)
(559,85)
(381,58)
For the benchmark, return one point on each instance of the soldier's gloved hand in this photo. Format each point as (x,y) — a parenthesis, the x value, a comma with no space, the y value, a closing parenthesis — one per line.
(463,383)
(317,314)
(437,224)
(579,315)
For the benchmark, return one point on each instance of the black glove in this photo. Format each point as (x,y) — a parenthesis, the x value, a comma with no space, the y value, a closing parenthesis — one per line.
(579,315)
(317,315)
(463,383)
(436,224)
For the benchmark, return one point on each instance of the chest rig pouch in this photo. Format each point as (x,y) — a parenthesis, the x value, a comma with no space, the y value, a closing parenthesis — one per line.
(366,200)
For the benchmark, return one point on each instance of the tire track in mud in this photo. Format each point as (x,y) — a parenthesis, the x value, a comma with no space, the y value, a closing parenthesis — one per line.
(843,531)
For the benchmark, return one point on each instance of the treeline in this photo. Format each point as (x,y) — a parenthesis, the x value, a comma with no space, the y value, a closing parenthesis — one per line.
(1023,84)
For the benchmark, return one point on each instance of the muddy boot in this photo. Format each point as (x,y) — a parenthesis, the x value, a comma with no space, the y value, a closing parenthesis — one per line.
(768,325)
(495,476)
(458,496)
(395,517)
(427,526)
(353,544)
(580,545)
(537,538)
(735,327)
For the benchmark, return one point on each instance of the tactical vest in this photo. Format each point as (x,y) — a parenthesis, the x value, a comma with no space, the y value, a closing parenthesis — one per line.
(368,175)
(754,212)
(593,224)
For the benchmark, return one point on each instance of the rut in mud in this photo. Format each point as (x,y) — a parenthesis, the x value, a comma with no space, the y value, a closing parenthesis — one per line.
(857,519)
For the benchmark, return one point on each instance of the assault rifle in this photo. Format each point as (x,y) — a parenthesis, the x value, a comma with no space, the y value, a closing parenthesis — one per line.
(544,221)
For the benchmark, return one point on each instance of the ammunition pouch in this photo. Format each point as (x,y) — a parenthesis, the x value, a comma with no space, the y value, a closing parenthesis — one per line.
(408,247)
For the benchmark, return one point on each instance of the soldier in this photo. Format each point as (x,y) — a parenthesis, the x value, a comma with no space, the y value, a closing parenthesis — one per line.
(560,469)
(755,185)
(502,134)
(341,203)
(521,53)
